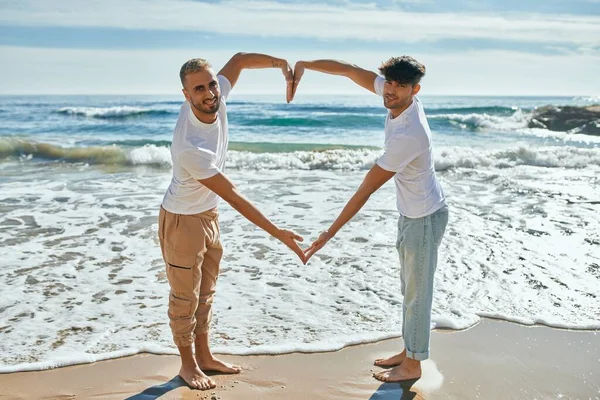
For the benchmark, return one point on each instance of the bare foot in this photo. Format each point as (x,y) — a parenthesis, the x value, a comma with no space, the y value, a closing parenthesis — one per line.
(409,369)
(214,364)
(391,361)
(195,378)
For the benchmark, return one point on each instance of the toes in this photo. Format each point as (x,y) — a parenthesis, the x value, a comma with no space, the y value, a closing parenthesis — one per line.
(211,384)
(196,384)
(380,376)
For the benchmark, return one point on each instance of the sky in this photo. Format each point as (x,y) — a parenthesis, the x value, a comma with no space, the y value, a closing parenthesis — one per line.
(470,47)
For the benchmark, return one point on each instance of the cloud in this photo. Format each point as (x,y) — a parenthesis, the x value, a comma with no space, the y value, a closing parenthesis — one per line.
(76,71)
(328,22)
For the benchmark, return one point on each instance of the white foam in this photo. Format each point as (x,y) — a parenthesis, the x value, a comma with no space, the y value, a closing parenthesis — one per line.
(83,279)
(517,120)
(151,155)
(362,159)
(106,112)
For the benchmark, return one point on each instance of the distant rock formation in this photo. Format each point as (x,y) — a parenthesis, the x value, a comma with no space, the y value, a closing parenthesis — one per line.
(567,119)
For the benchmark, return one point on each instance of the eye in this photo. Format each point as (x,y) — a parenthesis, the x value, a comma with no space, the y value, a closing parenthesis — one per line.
(213,84)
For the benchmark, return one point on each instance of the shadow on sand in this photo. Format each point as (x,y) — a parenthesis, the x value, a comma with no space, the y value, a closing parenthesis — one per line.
(154,392)
(395,391)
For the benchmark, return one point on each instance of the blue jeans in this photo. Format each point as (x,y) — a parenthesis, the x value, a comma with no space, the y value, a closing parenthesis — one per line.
(418,243)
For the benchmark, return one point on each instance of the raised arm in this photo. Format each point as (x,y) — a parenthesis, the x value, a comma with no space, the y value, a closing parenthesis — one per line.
(223,187)
(360,76)
(241,61)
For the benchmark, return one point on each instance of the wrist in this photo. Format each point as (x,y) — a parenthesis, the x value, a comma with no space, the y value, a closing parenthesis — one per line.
(279,62)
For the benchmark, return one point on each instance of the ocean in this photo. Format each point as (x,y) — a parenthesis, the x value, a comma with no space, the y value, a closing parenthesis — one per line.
(82,179)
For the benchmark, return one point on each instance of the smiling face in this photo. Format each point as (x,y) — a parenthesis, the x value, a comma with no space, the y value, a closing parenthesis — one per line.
(402,77)
(201,90)
(398,96)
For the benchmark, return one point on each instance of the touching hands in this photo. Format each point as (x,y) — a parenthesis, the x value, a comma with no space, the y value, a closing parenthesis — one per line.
(298,72)
(317,245)
(292,77)
(289,80)
(290,239)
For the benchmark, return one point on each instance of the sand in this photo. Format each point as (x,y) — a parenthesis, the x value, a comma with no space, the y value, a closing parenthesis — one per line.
(493,360)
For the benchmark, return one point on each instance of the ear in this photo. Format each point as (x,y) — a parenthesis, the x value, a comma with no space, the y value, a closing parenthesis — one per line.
(186,95)
(416,89)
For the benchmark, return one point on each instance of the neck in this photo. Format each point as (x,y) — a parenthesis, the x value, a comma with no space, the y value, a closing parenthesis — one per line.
(395,112)
(203,117)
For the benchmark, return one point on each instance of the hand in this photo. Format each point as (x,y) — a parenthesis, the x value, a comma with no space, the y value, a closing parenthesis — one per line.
(298,72)
(289,79)
(317,245)
(289,238)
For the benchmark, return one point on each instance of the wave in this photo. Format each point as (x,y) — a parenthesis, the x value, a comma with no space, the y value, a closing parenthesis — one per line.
(115,112)
(588,99)
(346,121)
(292,156)
(476,121)
(493,110)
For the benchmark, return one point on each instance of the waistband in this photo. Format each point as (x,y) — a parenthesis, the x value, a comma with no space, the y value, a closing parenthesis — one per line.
(210,215)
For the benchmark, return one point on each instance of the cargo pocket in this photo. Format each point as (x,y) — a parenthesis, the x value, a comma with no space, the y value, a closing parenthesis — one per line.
(179,308)
(180,273)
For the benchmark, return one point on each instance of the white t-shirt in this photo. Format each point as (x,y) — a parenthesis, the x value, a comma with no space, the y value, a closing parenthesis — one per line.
(198,152)
(408,153)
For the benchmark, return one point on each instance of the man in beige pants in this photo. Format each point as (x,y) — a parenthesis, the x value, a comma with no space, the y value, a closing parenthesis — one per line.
(188,221)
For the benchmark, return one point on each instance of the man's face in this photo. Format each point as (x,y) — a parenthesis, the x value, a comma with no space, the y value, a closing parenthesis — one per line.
(201,90)
(398,95)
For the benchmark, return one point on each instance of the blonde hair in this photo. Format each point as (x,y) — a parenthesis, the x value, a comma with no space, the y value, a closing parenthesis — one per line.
(191,66)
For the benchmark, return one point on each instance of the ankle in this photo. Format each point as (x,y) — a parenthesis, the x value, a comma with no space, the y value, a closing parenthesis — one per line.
(412,363)
(189,364)
(204,355)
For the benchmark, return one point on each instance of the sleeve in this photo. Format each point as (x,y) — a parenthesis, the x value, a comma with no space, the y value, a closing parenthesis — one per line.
(200,163)
(399,152)
(378,84)
(224,86)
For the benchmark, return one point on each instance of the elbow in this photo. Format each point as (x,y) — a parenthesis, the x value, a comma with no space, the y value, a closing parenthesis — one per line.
(238,57)
(364,194)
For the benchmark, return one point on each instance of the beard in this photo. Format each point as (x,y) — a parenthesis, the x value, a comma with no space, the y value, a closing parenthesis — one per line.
(396,103)
(206,109)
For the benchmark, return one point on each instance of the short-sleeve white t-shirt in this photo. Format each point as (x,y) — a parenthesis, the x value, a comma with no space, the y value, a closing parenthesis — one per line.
(408,153)
(198,152)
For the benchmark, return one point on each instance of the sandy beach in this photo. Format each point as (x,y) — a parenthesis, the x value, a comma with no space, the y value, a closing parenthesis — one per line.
(493,360)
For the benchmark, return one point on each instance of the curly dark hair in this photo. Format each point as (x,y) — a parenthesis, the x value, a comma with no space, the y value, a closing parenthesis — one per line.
(405,70)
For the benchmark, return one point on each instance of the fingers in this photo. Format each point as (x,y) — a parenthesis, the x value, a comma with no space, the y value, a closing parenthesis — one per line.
(289,91)
(298,72)
(316,246)
(296,237)
(289,78)
(311,253)
(296,249)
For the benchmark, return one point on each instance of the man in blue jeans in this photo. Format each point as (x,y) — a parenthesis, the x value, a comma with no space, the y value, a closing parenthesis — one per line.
(423,211)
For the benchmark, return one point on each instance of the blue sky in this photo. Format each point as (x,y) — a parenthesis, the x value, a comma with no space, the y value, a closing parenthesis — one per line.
(136,46)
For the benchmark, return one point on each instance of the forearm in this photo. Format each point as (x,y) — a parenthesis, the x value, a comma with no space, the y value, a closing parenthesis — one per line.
(248,210)
(333,67)
(258,61)
(350,210)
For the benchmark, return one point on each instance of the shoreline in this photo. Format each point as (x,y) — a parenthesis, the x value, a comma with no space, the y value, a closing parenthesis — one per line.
(499,360)
(119,354)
